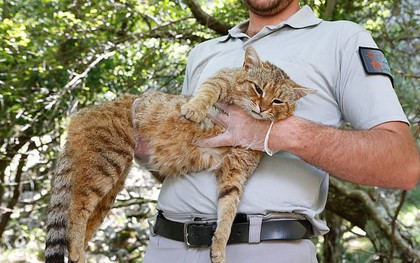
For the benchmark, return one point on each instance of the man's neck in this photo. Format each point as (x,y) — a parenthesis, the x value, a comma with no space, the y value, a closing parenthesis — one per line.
(256,22)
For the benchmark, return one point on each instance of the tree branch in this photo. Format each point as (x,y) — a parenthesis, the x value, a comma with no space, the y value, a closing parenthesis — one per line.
(137,201)
(357,206)
(207,20)
(16,193)
(394,223)
(84,74)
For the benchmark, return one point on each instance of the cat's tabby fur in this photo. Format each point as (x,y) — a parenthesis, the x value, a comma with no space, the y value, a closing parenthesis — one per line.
(101,140)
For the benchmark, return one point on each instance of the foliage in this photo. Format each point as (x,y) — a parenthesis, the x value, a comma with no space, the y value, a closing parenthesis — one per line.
(57,56)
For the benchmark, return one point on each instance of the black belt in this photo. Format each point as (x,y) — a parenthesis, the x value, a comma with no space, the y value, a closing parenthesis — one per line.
(199,233)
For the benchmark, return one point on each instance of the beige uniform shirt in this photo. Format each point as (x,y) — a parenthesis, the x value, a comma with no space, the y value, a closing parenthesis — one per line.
(316,54)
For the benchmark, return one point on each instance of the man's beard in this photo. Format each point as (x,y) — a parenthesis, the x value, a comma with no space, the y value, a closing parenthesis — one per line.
(268,7)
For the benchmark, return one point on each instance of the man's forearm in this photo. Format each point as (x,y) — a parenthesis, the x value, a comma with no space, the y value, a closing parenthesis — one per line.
(383,156)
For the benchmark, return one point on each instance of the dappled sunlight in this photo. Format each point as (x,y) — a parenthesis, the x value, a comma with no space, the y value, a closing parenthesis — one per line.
(57,57)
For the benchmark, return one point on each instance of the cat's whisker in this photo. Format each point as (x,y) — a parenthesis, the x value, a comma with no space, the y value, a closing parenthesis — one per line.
(254,107)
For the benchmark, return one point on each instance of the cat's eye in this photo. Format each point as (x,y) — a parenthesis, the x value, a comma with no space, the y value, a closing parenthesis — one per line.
(277,101)
(258,90)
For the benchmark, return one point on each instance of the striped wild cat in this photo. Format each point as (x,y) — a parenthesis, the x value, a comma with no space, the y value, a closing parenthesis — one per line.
(101,140)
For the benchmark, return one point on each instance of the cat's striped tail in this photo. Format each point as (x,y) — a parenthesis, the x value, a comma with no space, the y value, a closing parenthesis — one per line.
(56,240)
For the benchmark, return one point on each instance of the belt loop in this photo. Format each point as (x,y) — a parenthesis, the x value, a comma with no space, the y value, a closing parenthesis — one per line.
(152,221)
(255,222)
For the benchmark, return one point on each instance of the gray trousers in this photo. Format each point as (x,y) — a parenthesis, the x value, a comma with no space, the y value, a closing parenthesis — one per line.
(163,250)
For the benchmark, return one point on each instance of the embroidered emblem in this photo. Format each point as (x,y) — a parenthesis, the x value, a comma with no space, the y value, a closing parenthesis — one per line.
(374,61)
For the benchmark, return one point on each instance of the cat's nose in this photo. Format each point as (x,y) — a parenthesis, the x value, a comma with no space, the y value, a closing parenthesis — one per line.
(261,108)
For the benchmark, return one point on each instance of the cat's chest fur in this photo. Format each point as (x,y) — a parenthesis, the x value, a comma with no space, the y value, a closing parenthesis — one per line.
(170,135)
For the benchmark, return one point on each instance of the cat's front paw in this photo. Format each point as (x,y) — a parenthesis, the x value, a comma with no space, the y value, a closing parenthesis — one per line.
(217,251)
(193,112)
(77,256)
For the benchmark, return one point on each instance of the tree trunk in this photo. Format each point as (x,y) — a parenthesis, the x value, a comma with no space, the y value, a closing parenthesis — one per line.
(332,248)
(330,9)
(6,11)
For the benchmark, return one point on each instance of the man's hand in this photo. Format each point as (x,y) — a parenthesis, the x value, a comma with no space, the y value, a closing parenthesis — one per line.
(142,153)
(240,129)
(142,157)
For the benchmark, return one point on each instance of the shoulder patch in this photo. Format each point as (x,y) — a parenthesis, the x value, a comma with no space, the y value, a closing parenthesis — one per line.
(374,61)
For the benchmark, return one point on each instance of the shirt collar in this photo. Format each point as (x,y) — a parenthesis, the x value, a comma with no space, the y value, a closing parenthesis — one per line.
(305,17)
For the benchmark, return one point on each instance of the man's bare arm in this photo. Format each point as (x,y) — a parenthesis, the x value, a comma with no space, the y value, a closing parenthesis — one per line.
(384,156)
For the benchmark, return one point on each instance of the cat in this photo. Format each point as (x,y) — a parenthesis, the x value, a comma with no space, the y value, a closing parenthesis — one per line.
(101,140)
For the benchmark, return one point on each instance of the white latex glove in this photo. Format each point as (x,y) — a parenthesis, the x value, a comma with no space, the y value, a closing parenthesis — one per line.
(241,129)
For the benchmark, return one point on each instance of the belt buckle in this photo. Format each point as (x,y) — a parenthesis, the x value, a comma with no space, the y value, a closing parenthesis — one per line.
(186,235)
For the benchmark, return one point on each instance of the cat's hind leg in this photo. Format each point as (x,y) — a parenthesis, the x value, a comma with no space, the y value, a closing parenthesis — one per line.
(232,175)
(85,199)
(102,209)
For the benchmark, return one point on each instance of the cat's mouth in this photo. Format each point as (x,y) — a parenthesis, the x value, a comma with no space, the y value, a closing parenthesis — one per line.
(258,114)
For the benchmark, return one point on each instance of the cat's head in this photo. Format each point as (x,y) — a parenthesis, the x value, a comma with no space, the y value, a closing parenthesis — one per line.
(266,91)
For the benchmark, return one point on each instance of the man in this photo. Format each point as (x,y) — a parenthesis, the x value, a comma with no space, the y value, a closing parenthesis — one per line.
(331,57)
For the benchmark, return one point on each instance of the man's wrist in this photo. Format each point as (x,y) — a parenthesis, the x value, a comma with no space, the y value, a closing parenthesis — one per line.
(289,134)
(266,139)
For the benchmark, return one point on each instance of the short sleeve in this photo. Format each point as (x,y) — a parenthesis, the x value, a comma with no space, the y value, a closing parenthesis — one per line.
(366,100)
(187,86)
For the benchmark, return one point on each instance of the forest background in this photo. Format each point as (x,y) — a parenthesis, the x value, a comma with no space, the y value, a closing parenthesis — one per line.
(57,56)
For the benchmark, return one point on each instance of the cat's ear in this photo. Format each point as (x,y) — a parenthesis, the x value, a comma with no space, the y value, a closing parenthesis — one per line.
(251,58)
(299,92)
